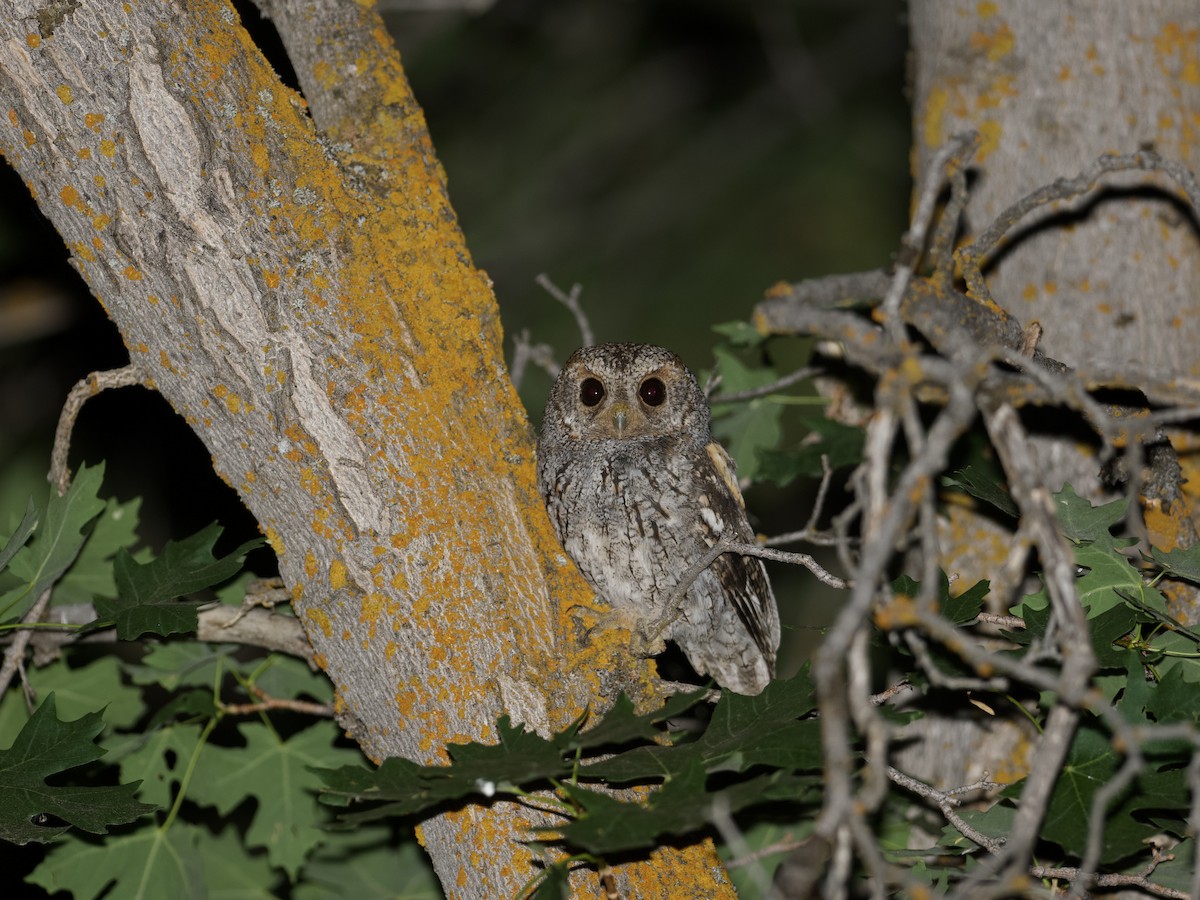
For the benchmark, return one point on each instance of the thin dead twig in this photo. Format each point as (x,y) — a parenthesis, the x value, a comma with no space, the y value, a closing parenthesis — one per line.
(571,302)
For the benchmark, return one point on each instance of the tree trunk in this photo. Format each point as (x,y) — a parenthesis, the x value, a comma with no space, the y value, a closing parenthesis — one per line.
(1049,87)
(299,290)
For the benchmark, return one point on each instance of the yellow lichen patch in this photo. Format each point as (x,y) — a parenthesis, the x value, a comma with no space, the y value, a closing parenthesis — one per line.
(311,482)
(989,139)
(275,541)
(70,197)
(33,40)
(310,565)
(1177,53)
(271,279)
(64,94)
(995,44)
(260,156)
(899,612)
(131,273)
(935,112)
(986,9)
(83,251)
(93,120)
(100,222)
(84,152)
(108,148)
(337,575)
(318,618)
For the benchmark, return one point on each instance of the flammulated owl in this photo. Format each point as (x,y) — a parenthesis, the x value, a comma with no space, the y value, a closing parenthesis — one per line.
(638,491)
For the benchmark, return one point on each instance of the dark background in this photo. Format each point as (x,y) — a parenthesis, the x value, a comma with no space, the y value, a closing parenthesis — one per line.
(674,157)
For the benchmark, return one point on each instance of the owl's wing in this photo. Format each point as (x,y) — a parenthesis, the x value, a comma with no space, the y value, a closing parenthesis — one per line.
(743,579)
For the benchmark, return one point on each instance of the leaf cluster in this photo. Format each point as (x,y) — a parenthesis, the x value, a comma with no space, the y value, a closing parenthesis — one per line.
(133,768)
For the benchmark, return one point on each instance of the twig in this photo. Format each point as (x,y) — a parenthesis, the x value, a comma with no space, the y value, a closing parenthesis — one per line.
(571,302)
(764,390)
(268,703)
(60,474)
(957,150)
(972,255)
(525,352)
(727,828)
(948,803)
(674,604)
(808,532)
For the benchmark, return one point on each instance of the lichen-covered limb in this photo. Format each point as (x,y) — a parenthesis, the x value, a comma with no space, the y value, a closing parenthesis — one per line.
(289,274)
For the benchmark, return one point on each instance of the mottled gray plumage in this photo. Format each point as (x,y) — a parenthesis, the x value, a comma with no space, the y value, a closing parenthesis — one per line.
(638,491)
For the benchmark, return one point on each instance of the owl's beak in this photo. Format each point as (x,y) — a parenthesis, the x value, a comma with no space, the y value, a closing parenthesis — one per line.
(620,415)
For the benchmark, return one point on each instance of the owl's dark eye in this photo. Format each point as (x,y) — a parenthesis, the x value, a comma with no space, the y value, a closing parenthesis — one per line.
(653,392)
(591,391)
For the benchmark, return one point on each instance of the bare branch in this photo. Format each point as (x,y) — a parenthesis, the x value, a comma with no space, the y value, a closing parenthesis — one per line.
(84,390)
(571,302)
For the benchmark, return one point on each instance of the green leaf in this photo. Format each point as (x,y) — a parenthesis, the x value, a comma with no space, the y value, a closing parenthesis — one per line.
(91,574)
(367,864)
(520,757)
(287,678)
(56,541)
(232,872)
(1106,576)
(1106,629)
(966,606)
(18,538)
(149,592)
(1090,764)
(45,747)
(1083,522)
(683,804)
(187,664)
(159,758)
(1180,562)
(981,485)
(1174,699)
(94,687)
(278,774)
(744,732)
(621,724)
(555,884)
(841,444)
(748,427)
(740,334)
(148,862)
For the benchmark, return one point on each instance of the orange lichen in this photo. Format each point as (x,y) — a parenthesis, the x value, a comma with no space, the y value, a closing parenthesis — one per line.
(337,575)
(995,44)
(318,618)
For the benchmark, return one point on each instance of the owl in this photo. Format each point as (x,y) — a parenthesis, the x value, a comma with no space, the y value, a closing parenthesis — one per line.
(638,491)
